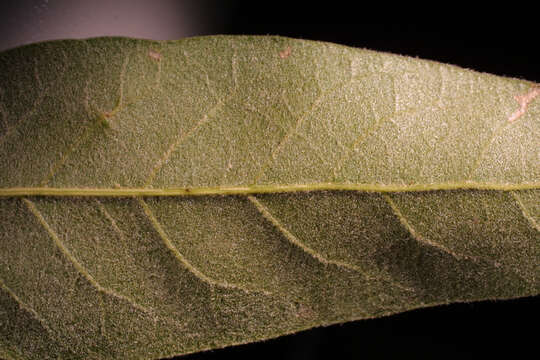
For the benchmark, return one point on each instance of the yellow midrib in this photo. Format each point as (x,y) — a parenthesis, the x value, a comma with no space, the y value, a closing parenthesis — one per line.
(259,189)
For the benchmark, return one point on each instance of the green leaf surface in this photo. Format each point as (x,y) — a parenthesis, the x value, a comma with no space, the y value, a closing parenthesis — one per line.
(163,198)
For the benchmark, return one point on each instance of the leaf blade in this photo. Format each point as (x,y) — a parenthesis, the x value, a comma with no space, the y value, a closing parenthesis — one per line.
(359,184)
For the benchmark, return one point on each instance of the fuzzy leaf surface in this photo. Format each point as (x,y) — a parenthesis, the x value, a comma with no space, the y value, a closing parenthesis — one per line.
(164,198)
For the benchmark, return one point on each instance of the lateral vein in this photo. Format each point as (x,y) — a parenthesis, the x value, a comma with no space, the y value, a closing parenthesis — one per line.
(111,220)
(175,144)
(294,129)
(185,262)
(405,223)
(295,241)
(375,127)
(525,211)
(28,309)
(78,266)
(423,240)
(263,210)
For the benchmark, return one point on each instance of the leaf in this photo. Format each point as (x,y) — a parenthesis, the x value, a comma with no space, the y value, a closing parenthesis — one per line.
(162,198)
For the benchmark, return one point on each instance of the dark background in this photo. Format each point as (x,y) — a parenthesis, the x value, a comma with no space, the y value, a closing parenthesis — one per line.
(499,40)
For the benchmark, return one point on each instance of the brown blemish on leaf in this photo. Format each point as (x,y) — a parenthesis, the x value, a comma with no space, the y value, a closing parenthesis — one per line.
(285,53)
(304,312)
(154,55)
(524,101)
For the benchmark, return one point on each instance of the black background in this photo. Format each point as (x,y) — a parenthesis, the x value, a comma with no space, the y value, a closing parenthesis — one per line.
(501,40)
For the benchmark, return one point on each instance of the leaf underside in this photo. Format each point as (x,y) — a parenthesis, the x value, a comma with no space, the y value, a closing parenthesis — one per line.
(222,190)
